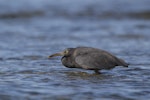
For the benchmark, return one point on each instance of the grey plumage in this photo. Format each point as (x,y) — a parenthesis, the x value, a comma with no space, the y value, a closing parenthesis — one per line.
(89,58)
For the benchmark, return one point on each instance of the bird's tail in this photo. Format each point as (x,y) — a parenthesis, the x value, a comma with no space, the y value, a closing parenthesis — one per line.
(122,63)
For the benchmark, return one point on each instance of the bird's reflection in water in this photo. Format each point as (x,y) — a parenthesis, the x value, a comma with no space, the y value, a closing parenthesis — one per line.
(87,76)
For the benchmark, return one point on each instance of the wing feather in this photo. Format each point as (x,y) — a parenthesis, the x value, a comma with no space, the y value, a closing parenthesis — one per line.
(95,60)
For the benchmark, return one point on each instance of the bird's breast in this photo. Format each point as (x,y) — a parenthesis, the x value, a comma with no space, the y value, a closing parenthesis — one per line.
(68,62)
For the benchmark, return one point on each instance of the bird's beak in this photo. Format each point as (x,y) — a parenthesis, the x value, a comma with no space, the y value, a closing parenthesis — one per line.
(56,54)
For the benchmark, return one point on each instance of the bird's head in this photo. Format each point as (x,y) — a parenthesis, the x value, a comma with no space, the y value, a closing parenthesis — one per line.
(66,52)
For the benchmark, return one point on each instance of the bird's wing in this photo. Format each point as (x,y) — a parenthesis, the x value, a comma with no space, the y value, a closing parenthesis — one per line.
(96,60)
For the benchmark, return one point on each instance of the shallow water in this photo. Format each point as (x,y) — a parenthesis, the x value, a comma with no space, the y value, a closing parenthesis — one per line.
(32,30)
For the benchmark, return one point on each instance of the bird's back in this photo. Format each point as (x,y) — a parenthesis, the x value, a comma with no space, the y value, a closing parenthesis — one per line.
(92,58)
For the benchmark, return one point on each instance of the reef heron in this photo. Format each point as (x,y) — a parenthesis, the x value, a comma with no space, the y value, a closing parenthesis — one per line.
(89,58)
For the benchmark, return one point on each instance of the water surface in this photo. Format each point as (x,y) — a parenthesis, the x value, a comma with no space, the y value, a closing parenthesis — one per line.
(32,30)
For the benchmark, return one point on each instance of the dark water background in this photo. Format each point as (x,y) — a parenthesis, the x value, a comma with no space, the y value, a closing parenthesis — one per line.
(30,30)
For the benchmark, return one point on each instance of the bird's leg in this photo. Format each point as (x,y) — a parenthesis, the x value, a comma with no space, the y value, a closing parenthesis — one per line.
(97,72)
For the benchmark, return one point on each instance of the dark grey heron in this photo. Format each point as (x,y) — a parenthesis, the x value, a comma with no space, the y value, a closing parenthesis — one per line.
(89,58)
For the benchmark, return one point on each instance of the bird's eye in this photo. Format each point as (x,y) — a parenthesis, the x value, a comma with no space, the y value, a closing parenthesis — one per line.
(66,52)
